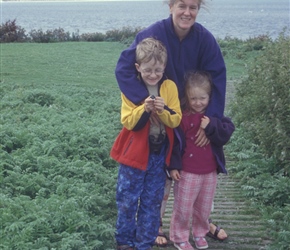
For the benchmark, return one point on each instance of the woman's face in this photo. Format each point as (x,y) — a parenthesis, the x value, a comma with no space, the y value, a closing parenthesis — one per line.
(184,13)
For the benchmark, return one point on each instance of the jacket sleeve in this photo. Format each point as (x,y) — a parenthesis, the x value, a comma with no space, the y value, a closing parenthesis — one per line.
(126,74)
(177,150)
(171,116)
(133,117)
(211,60)
(219,131)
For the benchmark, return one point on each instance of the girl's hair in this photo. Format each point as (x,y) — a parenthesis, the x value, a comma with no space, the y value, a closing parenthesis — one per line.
(195,79)
(149,49)
(172,2)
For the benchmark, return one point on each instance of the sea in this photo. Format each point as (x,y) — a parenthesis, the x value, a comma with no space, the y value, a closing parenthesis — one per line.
(242,19)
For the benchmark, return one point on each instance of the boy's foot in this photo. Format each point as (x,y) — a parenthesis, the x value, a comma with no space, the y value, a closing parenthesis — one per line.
(161,240)
(183,246)
(200,243)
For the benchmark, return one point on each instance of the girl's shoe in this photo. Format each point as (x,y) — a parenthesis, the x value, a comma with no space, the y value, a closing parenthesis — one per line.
(200,243)
(183,246)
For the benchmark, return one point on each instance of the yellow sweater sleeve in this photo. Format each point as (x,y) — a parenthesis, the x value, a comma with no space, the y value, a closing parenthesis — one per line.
(169,92)
(130,113)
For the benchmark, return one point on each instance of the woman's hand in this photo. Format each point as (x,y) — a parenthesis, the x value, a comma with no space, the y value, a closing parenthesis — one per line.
(201,139)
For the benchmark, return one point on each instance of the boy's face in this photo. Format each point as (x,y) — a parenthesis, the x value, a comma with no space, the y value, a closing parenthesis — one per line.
(151,72)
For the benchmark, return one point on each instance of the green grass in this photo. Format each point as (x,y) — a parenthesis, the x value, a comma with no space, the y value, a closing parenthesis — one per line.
(92,65)
(238,63)
(80,64)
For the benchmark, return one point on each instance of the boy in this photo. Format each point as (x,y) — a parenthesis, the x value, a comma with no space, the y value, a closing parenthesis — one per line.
(143,149)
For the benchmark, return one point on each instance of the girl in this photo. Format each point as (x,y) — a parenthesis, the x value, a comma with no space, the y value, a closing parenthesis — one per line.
(195,183)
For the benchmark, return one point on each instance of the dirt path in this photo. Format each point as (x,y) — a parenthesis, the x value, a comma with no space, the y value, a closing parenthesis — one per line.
(245,229)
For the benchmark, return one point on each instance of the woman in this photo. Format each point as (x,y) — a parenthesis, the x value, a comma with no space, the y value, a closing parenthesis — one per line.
(190,46)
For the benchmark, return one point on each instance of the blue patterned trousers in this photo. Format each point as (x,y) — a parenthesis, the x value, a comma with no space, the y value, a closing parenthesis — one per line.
(139,196)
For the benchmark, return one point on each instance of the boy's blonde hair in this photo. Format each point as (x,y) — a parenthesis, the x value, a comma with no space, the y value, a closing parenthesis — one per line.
(149,49)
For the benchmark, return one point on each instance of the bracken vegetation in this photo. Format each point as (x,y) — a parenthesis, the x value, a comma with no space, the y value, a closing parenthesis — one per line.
(57,180)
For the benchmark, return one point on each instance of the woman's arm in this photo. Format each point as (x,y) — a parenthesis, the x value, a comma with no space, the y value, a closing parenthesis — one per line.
(219,131)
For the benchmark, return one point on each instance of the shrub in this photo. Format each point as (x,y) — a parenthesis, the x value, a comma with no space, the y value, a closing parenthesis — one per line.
(257,43)
(75,36)
(121,35)
(56,35)
(10,32)
(260,147)
(93,37)
(264,97)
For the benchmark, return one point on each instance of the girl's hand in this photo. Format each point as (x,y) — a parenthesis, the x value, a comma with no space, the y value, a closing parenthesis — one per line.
(175,175)
(204,122)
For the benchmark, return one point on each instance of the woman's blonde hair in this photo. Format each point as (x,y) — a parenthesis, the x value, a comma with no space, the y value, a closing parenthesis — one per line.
(172,2)
(149,49)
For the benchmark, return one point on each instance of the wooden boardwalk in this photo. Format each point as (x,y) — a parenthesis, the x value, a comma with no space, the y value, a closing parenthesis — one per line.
(245,229)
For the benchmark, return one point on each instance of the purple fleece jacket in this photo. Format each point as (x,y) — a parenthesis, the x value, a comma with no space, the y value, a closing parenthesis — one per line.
(197,51)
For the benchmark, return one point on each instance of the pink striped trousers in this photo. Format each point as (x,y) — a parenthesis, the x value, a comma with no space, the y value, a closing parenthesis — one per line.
(193,198)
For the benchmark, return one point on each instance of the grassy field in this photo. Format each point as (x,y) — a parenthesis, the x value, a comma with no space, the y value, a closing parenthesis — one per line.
(82,64)
(92,65)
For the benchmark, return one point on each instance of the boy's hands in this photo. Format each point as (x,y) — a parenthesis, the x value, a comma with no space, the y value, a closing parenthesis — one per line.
(149,104)
(175,175)
(159,104)
(154,105)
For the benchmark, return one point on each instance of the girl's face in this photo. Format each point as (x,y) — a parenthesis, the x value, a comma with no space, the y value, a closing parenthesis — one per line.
(184,13)
(198,99)
(151,72)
